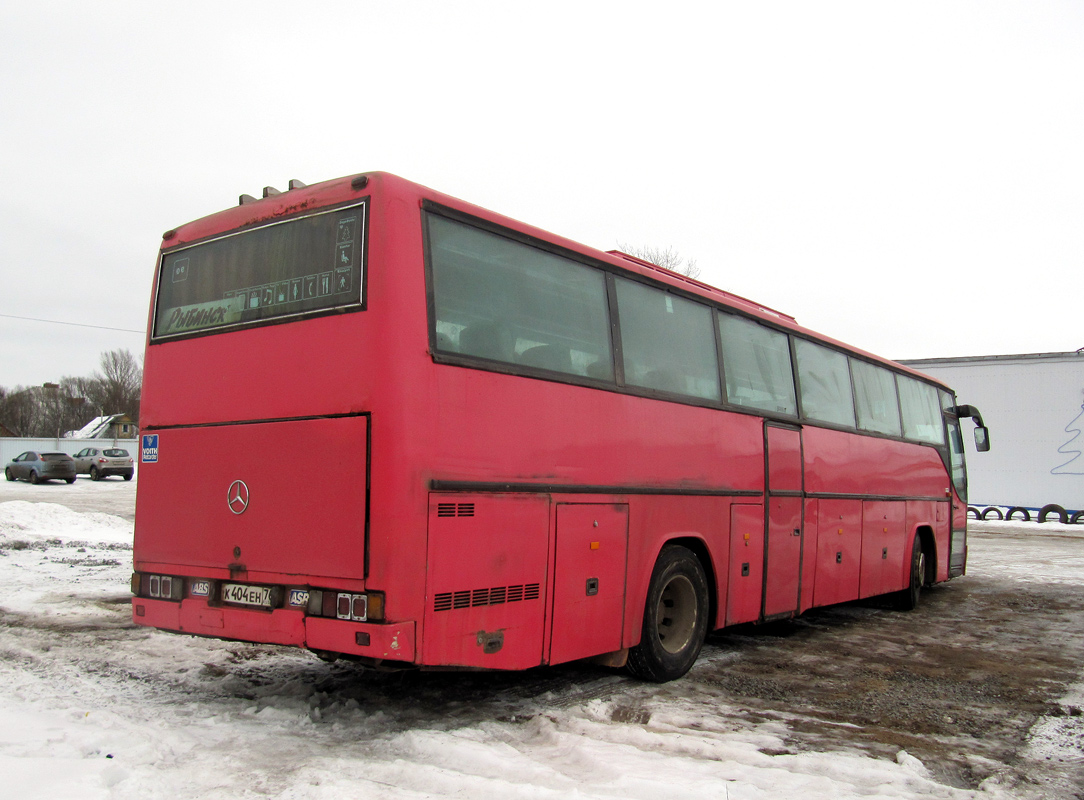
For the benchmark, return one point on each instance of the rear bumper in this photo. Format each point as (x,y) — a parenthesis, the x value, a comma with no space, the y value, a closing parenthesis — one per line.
(107,471)
(383,641)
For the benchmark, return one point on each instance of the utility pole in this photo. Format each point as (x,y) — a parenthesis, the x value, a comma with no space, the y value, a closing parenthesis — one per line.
(55,389)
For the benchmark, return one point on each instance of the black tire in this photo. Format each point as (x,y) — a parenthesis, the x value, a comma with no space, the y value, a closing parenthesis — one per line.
(991,510)
(1024,511)
(94,474)
(34,479)
(69,481)
(908,598)
(675,617)
(1053,508)
(973,512)
(1073,520)
(9,474)
(127,476)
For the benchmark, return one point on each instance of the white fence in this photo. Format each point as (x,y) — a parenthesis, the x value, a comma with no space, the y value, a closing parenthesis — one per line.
(11,447)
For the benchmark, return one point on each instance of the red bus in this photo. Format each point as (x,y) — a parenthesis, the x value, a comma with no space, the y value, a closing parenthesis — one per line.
(382,423)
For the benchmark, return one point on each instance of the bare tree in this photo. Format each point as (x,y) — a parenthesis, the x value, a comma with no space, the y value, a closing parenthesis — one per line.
(52,409)
(19,410)
(62,408)
(44,411)
(116,388)
(668,258)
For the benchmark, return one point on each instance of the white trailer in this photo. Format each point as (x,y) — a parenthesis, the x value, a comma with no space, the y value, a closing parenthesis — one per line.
(1034,407)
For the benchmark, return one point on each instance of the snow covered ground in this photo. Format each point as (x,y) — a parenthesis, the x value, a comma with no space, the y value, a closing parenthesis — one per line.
(94,707)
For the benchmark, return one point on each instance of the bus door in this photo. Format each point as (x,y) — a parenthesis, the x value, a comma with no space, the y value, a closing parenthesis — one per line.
(784,527)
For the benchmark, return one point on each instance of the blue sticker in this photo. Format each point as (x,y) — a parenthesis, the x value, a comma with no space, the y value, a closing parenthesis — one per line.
(149,452)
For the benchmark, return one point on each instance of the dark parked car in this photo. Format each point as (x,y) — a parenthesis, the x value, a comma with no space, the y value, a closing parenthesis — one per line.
(37,467)
(99,463)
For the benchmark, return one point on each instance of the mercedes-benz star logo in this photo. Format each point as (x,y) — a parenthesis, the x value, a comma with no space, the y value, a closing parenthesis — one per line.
(237,497)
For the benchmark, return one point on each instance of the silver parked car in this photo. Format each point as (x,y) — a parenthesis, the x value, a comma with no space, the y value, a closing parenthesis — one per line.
(37,467)
(100,463)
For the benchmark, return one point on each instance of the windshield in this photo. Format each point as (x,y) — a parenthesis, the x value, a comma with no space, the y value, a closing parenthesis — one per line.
(298,266)
(115,453)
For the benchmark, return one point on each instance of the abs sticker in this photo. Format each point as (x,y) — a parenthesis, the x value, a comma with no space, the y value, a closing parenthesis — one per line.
(149,451)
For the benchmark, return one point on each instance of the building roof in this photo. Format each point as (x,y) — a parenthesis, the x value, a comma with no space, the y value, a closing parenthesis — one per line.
(97,428)
(922,363)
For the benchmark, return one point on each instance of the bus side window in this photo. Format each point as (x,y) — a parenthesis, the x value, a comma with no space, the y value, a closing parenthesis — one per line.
(667,342)
(878,406)
(756,361)
(824,381)
(503,300)
(921,411)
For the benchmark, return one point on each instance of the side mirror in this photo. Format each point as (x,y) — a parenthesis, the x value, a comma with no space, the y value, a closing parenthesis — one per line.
(982,433)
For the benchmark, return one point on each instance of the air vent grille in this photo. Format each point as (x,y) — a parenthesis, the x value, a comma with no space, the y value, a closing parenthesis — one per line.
(446,601)
(455,509)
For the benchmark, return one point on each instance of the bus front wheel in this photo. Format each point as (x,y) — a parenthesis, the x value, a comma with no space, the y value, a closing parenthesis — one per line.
(675,617)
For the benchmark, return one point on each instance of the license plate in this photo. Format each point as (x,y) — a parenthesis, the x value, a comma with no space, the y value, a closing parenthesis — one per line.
(246,595)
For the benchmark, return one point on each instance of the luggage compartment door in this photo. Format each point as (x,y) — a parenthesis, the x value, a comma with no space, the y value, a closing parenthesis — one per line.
(589,580)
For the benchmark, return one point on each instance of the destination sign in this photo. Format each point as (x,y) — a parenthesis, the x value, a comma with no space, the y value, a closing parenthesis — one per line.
(287,268)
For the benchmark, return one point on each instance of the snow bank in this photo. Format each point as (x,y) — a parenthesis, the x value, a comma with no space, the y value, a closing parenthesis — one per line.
(21,520)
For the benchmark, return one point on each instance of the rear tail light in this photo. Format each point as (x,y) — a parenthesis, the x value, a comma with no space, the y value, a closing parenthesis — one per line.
(357,607)
(352,606)
(159,587)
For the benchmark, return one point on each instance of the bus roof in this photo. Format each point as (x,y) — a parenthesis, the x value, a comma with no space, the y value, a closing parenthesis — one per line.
(300,198)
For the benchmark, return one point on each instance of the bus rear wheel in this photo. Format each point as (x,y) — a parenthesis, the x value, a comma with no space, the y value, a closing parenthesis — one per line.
(675,617)
(908,598)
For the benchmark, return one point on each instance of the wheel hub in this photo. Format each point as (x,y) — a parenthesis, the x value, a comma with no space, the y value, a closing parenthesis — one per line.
(676,614)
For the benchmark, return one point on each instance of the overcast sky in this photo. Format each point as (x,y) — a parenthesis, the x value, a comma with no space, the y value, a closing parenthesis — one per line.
(907,177)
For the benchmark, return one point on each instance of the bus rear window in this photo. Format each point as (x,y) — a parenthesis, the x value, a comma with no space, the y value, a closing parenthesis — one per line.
(289,268)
